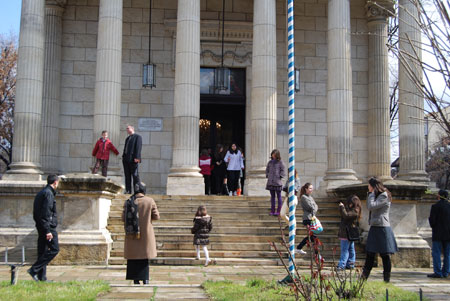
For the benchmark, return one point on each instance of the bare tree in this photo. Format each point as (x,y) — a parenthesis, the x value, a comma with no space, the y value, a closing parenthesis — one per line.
(434,22)
(438,166)
(8,71)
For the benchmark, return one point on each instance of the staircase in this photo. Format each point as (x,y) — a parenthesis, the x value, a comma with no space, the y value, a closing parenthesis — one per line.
(241,231)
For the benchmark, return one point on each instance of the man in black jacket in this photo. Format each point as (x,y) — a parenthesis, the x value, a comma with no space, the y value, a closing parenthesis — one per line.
(440,224)
(131,158)
(46,219)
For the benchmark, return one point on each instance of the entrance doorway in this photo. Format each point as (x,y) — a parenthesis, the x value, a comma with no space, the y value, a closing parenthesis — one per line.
(222,112)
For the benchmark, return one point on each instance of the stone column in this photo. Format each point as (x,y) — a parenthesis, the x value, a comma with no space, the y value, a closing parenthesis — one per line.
(184,177)
(411,129)
(52,86)
(108,76)
(378,113)
(263,117)
(28,107)
(339,94)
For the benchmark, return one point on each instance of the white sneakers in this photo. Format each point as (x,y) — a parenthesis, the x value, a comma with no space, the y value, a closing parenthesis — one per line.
(301,252)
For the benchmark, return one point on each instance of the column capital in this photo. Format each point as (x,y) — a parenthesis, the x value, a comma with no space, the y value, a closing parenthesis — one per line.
(60,3)
(55,7)
(379,10)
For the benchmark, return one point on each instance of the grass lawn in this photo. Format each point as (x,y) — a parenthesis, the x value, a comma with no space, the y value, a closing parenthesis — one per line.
(73,290)
(258,289)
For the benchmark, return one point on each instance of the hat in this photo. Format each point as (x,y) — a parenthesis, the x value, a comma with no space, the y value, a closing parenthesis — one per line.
(443,194)
(140,188)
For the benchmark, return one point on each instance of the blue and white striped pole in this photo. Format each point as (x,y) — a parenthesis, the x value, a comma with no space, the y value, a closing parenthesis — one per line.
(291,100)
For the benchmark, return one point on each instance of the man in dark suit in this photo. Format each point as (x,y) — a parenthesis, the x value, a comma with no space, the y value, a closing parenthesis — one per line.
(131,158)
(46,219)
(440,224)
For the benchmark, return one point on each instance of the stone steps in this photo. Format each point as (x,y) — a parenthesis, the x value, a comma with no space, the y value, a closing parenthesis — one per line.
(329,223)
(242,230)
(213,246)
(235,238)
(224,230)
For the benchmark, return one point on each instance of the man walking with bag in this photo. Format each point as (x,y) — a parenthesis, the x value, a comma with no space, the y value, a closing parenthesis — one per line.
(46,219)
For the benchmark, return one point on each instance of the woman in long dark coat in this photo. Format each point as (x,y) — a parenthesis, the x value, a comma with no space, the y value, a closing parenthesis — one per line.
(219,171)
(140,243)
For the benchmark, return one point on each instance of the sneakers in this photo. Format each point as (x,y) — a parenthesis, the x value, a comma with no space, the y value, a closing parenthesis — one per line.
(434,275)
(300,251)
(235,193)
(33,275)
(231,193)
(286,280)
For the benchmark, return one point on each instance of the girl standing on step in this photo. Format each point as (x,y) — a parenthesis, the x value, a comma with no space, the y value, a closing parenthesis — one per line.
(310,208)
(275,172)
(202,227)
(350,215)
(380,239)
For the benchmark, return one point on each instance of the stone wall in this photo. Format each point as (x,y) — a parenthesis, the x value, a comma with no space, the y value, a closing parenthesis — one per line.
(78,80)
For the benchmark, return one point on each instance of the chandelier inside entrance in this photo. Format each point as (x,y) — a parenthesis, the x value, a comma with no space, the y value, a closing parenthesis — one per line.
(205,124)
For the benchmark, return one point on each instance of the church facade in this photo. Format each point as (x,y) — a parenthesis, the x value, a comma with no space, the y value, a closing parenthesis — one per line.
(81,65)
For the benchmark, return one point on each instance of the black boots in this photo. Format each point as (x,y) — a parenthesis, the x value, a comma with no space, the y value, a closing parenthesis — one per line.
(386,276)
(225,189)
(365,273)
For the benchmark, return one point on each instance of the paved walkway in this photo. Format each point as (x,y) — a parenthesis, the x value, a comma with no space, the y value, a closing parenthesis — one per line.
(184,282)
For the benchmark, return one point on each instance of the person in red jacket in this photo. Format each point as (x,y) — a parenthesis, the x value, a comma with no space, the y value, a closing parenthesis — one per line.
(205,169)
(101,152)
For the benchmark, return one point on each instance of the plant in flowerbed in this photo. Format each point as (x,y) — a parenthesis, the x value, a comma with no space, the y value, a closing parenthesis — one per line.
(318,285)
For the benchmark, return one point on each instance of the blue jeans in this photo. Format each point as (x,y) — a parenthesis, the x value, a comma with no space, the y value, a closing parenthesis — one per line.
(348,255)
(436,253)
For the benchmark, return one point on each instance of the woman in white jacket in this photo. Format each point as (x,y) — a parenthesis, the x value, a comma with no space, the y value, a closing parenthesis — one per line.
(235,163)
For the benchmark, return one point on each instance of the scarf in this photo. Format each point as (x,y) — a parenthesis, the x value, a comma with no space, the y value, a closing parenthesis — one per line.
(132,218)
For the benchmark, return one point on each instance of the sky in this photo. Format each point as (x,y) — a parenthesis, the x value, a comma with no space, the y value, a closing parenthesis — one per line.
(10,16)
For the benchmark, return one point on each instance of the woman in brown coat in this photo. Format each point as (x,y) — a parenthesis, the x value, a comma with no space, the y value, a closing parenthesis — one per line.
(140,244)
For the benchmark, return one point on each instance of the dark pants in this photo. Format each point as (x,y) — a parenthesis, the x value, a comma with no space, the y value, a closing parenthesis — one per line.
(131,170)
(233,178)
(438,247)
(207,179)
(272,200)
(104,164)
(311,237)
(47,250)
(218,181)
(370,259)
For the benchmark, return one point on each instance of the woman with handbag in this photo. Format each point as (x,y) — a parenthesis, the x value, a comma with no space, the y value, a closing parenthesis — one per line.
(381,239)
(349,231)
(310,208)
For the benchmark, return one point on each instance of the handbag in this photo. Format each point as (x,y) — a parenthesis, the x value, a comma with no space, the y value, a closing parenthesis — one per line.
(352,233)
(315,226)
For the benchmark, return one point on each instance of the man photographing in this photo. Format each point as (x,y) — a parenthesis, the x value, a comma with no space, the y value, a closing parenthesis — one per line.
(45,217)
